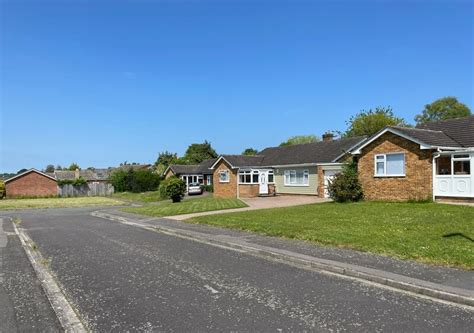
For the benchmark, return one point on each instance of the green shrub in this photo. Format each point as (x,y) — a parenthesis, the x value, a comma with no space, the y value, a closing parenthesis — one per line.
(135,181)
(173,188)
(207,188)
(345,186)
(2,189)
(78,181)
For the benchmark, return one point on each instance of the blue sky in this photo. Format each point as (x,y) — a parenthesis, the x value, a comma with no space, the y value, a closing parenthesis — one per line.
(102,82)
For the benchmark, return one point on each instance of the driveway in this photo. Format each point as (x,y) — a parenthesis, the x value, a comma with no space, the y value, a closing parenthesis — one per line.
(124,278)
(260,203)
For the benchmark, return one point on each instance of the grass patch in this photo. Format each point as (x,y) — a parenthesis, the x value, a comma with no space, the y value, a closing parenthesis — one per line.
(7,204)
(428,232)
(167,208)
(152,196)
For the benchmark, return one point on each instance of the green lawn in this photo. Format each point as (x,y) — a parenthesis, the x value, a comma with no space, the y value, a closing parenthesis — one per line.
(56,202)
(152,196)
(427,232)
(167,208)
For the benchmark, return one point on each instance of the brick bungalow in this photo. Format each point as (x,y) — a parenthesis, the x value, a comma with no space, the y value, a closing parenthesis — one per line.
(195,173)
(31,183)
(303,169)
(431,161)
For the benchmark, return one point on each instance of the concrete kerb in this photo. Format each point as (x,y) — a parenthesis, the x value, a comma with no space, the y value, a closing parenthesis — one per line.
(64,311)
(399,282)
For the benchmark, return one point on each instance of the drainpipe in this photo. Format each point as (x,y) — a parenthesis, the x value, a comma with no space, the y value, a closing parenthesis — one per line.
(435,157)
(238,185)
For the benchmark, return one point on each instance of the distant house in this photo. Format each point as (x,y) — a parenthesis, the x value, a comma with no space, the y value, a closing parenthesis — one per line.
(89,175)
(303,169)
(31,183)
(434,160)
(34,183)
(196,173)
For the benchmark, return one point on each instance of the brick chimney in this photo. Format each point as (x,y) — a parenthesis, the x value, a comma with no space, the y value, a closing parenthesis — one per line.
(328,136)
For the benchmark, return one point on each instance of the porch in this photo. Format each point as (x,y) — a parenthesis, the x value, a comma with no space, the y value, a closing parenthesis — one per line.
(452,175)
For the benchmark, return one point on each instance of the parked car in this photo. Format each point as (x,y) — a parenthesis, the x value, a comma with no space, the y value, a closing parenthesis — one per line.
(194,188)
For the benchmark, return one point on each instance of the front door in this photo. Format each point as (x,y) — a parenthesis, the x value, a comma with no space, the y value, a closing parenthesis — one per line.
(263,181)
(328,176)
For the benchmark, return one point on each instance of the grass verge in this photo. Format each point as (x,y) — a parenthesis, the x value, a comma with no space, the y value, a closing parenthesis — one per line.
(152,196)
(8,204)
(167,208)
(427,232)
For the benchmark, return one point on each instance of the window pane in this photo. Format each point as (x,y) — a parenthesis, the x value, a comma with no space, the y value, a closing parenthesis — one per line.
(380,167)
(255,178)
(270,177)
(247,178)
(443,165)
(395,164)
(462,167)
(241,178)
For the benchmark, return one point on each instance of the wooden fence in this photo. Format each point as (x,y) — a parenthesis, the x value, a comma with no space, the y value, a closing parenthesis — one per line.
(86,190)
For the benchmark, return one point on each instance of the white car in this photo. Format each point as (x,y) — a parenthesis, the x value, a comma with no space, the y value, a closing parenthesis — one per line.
(194,188)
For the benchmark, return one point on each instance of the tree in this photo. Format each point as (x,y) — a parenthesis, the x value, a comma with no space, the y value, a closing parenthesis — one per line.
(2,189)
(198,152)
(250,152)
(371,121)
(164,160)
(49,168)
(73,167)
(299,139)
(345,186)
(443,108)
(58,167)
(21,171)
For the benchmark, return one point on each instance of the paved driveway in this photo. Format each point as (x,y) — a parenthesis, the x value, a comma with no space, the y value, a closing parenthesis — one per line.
(260,203)
(123,278)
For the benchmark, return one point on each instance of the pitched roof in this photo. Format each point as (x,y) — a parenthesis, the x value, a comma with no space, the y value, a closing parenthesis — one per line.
(88,175)
(461,130)
(307,153)
(316,152)
(26,172)
(202,168)
(430,137)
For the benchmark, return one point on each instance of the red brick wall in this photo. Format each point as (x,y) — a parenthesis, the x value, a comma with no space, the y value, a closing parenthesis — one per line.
(249,190)
(31,184)
(418,181)
(225,190)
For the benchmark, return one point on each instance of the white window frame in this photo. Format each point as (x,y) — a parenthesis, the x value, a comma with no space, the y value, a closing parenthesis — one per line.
(457,158)
(289,172)
(270,172)
(249,172)
(384,160)
(224,172)
(209,180)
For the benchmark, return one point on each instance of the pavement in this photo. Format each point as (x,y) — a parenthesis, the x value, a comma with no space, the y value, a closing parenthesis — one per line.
(123,277)
(23,304)
(259,203)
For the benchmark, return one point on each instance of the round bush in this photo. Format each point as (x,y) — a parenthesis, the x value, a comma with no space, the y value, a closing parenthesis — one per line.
(345,186)
(173,188)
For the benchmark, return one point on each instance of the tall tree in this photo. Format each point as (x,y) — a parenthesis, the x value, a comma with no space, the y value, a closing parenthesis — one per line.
(49,168)
(73,167)
(443,108)
(298,139)
(369,122)
(164,160)
(250,152)
(198,152)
